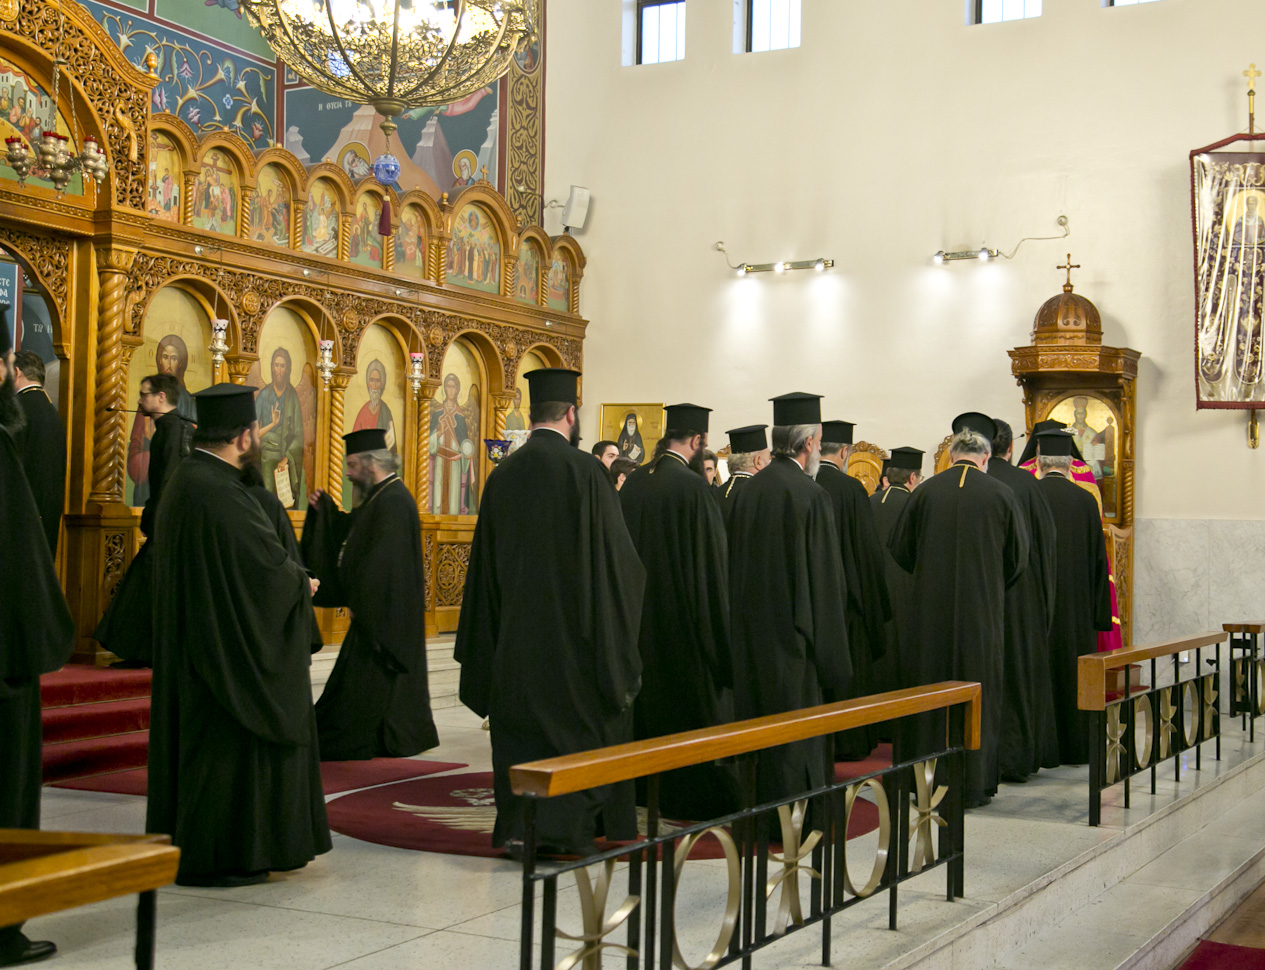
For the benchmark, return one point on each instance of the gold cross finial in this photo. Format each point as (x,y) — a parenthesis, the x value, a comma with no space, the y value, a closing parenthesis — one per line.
(1069,266)
(1251,74)
(484,170)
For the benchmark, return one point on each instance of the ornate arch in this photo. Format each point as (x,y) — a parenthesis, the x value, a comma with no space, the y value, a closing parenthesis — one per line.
(47,258)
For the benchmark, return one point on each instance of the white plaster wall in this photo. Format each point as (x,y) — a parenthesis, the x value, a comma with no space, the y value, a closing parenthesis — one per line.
(894,131)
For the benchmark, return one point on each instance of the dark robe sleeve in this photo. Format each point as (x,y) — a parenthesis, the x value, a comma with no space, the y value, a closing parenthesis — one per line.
(165,452)
(480,621)
(903,542)
(711,572)
(246,655)
(1017,540)
(1101,573)
(324,531)
(828,636)
(865,569)
(1045,539)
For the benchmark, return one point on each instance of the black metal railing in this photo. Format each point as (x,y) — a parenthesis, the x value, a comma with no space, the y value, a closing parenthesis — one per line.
(1247,676)
(920,809)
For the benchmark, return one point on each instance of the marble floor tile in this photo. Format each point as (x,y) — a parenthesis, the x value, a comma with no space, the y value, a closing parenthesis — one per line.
(1205,857)
(444,949)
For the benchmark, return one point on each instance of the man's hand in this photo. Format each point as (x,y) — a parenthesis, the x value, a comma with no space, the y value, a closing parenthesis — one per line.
(315,497)
(276,414)
(316,584)
(283,465)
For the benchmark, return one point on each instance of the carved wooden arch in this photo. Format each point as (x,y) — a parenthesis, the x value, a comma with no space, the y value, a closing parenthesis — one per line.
(535,236)
(493,205)
(343,186)
(291,167)
(311,311)
(115,94)
(210,295)
(434,219)
(47,259)
(400,327)
(186,141)
(485,346)
(569,250)
(233,145)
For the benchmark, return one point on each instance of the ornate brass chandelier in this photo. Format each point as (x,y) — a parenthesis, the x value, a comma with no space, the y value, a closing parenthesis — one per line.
(396,54)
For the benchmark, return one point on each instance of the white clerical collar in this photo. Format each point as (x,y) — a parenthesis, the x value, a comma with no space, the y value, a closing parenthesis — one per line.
(214,455)
(554,430)
(681,458)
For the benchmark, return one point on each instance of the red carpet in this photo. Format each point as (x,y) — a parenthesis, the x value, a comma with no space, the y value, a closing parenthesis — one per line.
(880,758)
(455,815)
(95,720)
(1224,956)
(336,776)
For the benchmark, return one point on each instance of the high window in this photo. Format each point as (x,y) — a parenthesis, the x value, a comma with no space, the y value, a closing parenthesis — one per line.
(995,11)
(660,31)
(772,25)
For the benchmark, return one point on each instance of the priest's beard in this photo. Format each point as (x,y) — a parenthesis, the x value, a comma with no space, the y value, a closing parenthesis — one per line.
(574,437)
(813,463)
(253,473)
(696,465)
(253,455)
(12,418)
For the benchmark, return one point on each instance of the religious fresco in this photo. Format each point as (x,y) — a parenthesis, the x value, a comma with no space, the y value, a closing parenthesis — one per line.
(410,243)
(286,406)
(320,220)
(527,278)
(208,86)
(215,195)
(175,334)
(375,397)
(456,437)
(518,417)
(1094,425)
(474,252)
(365,243)
(24,108)
(635,429)
(558,296)
(166,174)
(320,128)
(270,207)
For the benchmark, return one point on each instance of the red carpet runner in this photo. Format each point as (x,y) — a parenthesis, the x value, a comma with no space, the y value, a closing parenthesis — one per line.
(95,720)
(1224,956)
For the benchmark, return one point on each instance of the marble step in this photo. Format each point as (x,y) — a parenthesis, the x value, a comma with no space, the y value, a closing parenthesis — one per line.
(443,673)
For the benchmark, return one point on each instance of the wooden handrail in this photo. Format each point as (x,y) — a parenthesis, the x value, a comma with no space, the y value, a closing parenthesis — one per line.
(622,762)
(1091,672)
(1243,627)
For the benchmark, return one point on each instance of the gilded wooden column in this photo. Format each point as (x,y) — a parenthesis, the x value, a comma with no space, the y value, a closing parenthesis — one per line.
(239,368)
(244,228)
(438,260)
(109,455)
(337,447)
(186,200)
(421,484)
(501,404)
(296,223)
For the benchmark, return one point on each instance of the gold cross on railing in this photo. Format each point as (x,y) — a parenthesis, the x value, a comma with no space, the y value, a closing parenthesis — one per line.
(1069,266)
(1251,74)
(484,170)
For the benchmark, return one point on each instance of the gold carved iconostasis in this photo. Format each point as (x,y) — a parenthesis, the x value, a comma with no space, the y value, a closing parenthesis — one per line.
(430,329)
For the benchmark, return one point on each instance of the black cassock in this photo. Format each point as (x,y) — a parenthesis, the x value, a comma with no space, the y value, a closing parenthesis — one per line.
(547,639)
(234,773)
(788,626)
(894,670)
(36,637)
(1082,605)
(127,628)
(729,495)
(1028,737)
(687,674)
(963,538)
(868,608)
(42,448)
(377,700)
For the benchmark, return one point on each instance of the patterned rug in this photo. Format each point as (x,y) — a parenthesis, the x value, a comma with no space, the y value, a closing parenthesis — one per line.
(455,814)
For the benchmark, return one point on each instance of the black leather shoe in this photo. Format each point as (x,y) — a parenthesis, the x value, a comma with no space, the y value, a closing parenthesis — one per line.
(32,951)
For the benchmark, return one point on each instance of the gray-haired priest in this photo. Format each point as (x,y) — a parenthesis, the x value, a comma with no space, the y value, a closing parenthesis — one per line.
(786,590)
(963,537)
(377,701)
(748,453)
(687,673)
(547,639)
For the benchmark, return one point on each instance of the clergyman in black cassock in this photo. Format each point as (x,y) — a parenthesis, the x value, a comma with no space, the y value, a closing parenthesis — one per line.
(868,608)
(1082,600)
(36,637)
(963,538)
(234,771)
(748,453)
(1029,740)
(41,445)
(377,700)
(547,639)
(687,674)
(127,628)
(787,595)
(903,471)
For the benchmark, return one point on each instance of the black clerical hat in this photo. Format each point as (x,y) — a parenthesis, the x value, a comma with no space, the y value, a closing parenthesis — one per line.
(910,459)
(1055,444)
(977,422)
(367,439)
(6,342)
(687,417)
(836,432)
(1030,449)
(225,407)
(556,384)
(796,408)
(744,441)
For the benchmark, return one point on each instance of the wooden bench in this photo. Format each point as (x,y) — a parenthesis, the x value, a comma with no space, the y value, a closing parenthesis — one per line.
(1113,754)
(743,836)
(45,872)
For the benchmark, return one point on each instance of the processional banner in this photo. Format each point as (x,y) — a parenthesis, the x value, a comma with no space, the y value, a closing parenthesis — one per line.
(1228,206)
